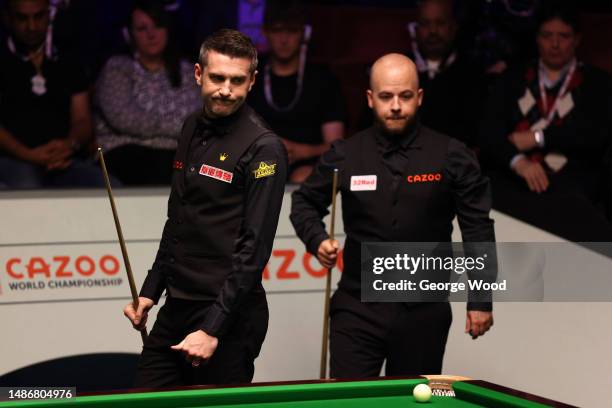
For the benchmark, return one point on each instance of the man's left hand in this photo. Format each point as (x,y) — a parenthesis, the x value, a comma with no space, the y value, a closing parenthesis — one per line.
(523,141)
(61,153)
(478,323)
(197,346)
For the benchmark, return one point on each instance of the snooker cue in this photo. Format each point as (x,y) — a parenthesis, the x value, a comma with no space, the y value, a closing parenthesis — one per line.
(323,368)
(126,260)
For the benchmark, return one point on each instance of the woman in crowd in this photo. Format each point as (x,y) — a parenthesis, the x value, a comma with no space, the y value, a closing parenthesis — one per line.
(142,99)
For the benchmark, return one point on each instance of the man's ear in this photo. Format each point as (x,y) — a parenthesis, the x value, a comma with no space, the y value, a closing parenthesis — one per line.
(370,96)
(420,96)
(197,73)
(253,76)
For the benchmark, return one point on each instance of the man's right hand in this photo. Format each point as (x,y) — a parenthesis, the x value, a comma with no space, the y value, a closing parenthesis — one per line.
(327,253)
(533,173)
(138,317)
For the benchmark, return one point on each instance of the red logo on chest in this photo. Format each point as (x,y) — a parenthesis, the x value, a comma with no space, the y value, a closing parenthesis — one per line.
(177,165)
(216,173)
(424,178)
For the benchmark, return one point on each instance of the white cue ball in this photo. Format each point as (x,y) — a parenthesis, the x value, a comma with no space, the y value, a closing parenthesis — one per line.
(422,393)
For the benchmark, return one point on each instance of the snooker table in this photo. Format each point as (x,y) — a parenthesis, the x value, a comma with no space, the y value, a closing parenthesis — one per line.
(382,392)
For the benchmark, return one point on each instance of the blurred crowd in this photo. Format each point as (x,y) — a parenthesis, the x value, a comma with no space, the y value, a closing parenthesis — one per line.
(502,76)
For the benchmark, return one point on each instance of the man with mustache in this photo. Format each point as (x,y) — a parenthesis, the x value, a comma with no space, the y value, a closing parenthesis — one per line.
(383,202)
(227,189)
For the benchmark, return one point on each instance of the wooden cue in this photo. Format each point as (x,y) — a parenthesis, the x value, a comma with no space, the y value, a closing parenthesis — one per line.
(126,260)
(323,368)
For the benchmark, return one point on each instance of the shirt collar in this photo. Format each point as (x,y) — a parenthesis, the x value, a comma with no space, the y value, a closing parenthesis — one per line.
(547,82)
(221,126)
(408,140)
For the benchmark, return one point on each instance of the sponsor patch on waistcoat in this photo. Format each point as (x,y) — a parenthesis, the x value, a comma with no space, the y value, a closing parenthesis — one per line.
(216,173)
(363,183)
(265,169)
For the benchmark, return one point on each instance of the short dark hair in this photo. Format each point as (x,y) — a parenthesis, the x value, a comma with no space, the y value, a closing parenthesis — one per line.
(231,43)
(564,10)
(287,12)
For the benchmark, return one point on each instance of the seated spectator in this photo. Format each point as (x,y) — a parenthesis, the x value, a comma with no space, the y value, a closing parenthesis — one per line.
(453,87)
(546,129)
(302,102)
(44,106)
(142,100)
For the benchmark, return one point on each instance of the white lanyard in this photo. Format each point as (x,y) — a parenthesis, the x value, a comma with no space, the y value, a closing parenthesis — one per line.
(543,95)
(24,58)
(420,62)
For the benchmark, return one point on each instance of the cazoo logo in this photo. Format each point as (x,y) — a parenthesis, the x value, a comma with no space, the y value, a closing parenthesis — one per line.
(61,267)
(289,270)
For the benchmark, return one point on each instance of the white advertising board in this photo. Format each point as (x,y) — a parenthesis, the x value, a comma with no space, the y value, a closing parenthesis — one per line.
(63,288)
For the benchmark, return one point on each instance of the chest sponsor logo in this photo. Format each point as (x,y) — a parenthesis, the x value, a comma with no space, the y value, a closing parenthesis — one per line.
(424,178)
(265,170)
(177,165)
(223,156)
(363,183)
(216,173)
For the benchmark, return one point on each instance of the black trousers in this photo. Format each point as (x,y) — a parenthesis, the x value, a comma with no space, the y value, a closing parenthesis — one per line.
(411,337)
(232,362)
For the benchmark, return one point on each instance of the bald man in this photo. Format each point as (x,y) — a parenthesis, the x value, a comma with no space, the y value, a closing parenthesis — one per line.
(381,202)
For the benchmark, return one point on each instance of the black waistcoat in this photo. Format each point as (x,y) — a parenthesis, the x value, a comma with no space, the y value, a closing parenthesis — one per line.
(205,211)
(400,209)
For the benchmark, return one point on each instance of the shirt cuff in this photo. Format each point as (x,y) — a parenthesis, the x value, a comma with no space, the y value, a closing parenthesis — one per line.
(153,286)
(515,159)
(480,306)
(214,321)
(313,245)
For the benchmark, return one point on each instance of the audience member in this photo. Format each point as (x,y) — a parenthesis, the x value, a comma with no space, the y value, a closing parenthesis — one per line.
(44,106)
(302,102)
(546,129)
(452,85)
(143,98)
